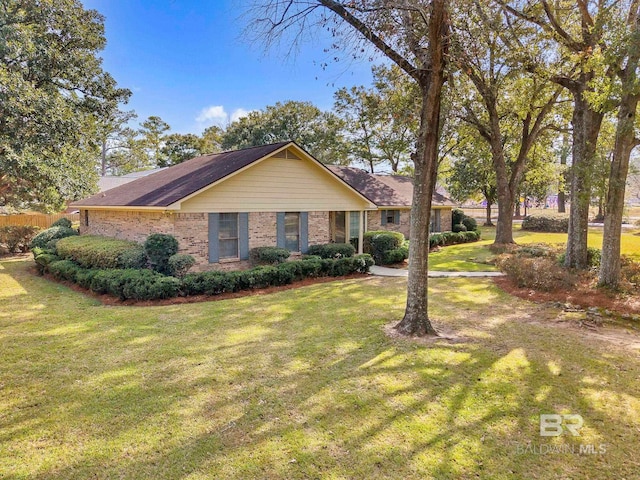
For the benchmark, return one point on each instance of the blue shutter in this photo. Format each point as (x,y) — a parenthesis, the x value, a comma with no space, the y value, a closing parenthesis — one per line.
(304,232)
(396,217)
(214,254)
(243,235)
(280,239)
(383,217)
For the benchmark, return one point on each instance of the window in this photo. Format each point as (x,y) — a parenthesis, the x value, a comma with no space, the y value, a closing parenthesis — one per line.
(391,216)
(339,227)
(86,218)
(354,228)
(292,231)
(435,221)
(228,235)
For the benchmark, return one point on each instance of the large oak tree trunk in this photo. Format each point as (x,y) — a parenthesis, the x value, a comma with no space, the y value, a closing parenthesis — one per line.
(416,316)
(586,127)
(625,142)
(504,227)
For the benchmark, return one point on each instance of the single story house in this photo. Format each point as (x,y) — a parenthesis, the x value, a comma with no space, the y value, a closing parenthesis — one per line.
(220,206)
(393,195)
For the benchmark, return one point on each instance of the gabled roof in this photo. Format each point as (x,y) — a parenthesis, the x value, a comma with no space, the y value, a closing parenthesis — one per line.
(173,184)
(384,190)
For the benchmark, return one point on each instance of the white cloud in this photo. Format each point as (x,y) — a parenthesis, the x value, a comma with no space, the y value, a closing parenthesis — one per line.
(238,113)
(215,114)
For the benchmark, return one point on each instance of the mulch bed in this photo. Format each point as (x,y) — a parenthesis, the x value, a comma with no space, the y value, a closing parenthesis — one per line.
(584,294)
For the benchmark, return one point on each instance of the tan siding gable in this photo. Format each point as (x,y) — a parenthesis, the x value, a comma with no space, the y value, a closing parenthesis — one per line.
(276,185)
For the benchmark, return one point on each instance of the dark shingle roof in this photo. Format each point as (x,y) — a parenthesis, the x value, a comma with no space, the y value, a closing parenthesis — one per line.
(172,184)
(384,190)
(369,186)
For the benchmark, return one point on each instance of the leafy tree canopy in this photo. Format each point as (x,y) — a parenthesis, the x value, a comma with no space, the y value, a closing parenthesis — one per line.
(316,131)
(53,89)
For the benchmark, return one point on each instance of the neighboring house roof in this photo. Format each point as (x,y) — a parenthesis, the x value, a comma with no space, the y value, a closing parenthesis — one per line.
(384,190)
(112,181)
(172,184)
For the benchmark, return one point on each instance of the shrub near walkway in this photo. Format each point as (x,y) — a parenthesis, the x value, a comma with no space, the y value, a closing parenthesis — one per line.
(303,384)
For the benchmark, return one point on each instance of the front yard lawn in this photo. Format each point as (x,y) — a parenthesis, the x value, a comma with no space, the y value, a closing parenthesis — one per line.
(304,383)
(473,257)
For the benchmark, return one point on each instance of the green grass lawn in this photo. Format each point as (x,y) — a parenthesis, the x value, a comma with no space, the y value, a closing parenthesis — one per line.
(473,257)
(304,383)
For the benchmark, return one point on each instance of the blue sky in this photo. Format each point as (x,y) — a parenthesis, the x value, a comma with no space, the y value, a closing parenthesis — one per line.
(187,62)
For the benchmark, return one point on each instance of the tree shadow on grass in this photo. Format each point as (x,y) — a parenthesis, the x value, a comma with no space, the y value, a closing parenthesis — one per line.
(304,384)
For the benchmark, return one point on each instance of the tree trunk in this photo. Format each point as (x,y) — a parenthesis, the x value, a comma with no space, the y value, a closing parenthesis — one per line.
(564,153)
(504,228)
(103,158)
(488,223)
(625,143)
(586,127)
(416,316)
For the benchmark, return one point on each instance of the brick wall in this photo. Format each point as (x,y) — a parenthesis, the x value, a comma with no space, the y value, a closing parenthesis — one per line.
(319,228)
(374,222)
(134,226)
(445,219)
(192,231)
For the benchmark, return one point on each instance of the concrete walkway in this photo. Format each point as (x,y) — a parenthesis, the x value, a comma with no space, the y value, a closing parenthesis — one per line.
(398,272)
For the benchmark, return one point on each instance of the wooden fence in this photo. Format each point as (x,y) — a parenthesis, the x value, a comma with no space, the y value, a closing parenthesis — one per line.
(36,219)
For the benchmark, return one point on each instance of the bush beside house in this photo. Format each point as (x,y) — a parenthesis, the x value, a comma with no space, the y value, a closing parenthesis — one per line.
(88,260)
(385,247)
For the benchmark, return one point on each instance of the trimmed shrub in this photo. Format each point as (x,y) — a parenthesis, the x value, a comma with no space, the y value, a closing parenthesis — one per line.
(378,243)
(133,258)
(396,255)
(470,223)
(65,270)
(459,227)
(16,238)
(332,250)
(159,247)
(53,233)
(217,282)
(268,255)
(206,283)
(558,223)
(541,273)
(135,284)
(443,239)
(44,260)
(180,263)
(62,222)
(457,215)
(92,251)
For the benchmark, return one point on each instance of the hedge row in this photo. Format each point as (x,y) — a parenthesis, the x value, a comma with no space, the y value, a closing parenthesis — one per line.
(332,250)
(546,223)
(143,284)
(452,238)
